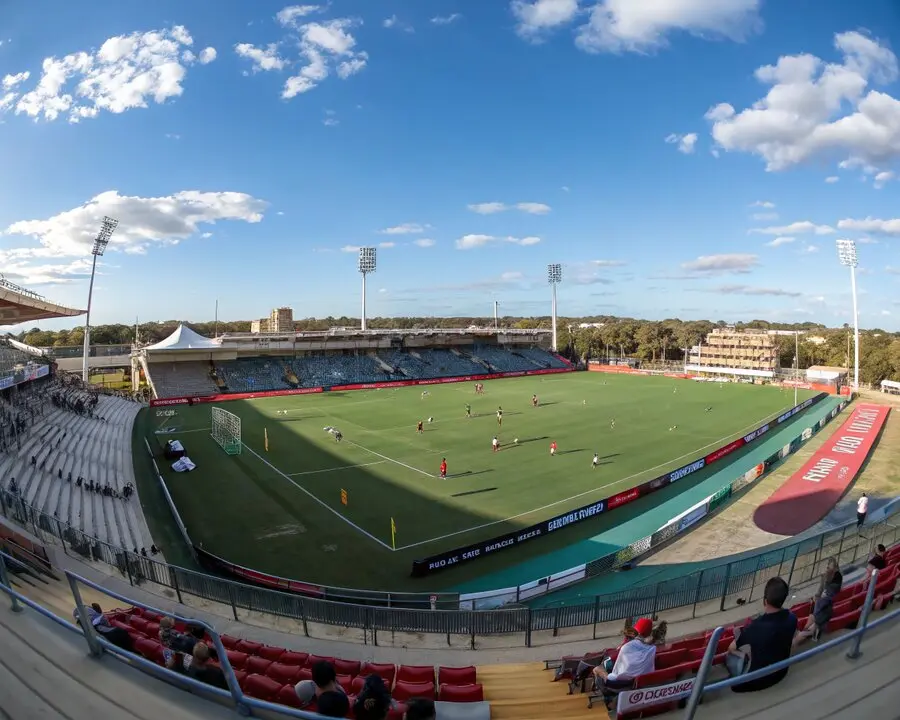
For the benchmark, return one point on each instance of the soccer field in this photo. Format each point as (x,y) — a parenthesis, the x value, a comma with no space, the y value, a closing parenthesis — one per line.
(281,511)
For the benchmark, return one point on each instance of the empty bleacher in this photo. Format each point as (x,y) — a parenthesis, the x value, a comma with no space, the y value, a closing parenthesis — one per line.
(183,379)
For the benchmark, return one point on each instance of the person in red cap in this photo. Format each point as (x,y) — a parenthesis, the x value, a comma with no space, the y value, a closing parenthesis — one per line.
(444,467)
(636,657)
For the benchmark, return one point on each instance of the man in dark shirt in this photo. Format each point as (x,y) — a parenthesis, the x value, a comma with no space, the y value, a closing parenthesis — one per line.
(767,639)
(876,562)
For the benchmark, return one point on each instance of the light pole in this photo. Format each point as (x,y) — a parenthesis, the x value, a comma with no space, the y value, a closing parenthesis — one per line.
(796,363)
(554,277)
(848,258)
(497,316)
(107,228)
(366,266)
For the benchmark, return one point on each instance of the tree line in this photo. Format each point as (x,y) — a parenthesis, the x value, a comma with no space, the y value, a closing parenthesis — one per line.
(597,336)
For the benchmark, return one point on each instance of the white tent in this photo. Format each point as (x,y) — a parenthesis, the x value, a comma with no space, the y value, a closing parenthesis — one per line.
(185,339)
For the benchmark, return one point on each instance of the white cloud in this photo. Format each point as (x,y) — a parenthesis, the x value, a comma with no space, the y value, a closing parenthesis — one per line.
(882,178)
(533,208)
(424,242)
(404,229)
(644,25)
(390,22)
(30,275)
(867,241)
(753,291)
(173,136)
(607,263)
(206,235)
(763,204)
(126,72)
(350,248)
(831,179)
(207,55)
(534,17)
(10,81)
(686,143)
(468,242)
(565,188)
(795,228)
(765,216)
(811,249)
(816,108)
(445,19)
(871,225)
(143,222)
(322,48)
(387,244)
(885,313)
(382,291)
(488,208)
(717,264)
(779,241)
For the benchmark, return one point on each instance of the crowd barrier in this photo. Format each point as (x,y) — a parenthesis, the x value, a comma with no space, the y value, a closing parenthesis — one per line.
(354,386)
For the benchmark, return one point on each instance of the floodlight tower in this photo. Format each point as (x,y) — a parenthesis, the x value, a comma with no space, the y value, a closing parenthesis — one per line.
(554,277)
(366,266)
(107,228)
(848,258)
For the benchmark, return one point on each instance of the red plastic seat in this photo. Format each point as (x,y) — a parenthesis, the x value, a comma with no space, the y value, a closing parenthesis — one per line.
(357,685)
(138,623)
(456,675)
(249,647)
(385,671)
(151,616)
(686,668)
(294,658)
(846,621)
(397,713)
(671,658)
(237,659)
(415,673)
(121,625)
(346,682)
(152,629)
(346,667)
(257,665)
(151,650)
(472,692)
(313,659)
(287,696)
(229,642)
(405,690)
(304,674)
(261,687)
(658,677)
(271,653)
(286,674)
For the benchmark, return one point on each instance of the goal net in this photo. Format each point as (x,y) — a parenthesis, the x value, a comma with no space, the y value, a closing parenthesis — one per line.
(226,430)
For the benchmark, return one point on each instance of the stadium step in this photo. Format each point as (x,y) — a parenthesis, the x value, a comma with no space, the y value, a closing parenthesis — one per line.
(526,691)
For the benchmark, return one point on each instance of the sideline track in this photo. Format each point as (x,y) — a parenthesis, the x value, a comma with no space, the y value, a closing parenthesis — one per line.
(640,526)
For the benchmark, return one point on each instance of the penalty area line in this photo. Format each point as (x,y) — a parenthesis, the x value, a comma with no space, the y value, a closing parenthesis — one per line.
(335,469)
(319,500)
(390,459)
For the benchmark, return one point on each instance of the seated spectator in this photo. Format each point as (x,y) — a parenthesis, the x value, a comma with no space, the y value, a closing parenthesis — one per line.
(420,709)
(167,632)
(324,679)
(333,703)
(831,583)
(765,641)
(876,562)
(117,636)
(636,657)
(201,669)
(374,700)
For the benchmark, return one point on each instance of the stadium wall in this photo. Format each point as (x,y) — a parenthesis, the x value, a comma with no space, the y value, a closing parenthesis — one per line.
(187,400)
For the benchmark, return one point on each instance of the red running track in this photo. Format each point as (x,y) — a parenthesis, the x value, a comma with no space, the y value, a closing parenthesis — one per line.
(815,489)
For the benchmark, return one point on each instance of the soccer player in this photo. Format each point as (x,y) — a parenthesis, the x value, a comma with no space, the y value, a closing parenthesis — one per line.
(534,401)
(443,467)
(337,436)
(596,461)
(424,394)
(420,427)
(612,424)
(495,444)
(499,417)
(468,410)
(553,448)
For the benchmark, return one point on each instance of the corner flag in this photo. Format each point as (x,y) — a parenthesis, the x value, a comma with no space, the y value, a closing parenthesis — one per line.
(266,437)
(393,534)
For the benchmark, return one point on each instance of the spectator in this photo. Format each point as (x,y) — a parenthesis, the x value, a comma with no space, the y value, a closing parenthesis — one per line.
(167,632)
(374,701)
(201,669)
(831,583)
(325,678)
(636,657)
(333,703)
(862,509)
(765,641)
(420,709)
(117,636)
(876,562)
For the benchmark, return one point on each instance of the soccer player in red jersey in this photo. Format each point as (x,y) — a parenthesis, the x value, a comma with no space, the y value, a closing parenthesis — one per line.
(444,467)
(553,448)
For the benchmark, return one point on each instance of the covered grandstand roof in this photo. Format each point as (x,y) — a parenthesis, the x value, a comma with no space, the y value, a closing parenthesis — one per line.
(18,305)
(185,339)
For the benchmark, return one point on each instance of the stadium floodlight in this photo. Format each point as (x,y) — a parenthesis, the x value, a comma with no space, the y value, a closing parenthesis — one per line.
(554,277)
(107,228)
(847,256)
(367,265)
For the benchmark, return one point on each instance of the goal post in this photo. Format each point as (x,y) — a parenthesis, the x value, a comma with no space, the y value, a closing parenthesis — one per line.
(226,430)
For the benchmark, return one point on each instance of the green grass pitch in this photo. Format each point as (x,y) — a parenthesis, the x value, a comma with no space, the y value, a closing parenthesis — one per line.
(280,511)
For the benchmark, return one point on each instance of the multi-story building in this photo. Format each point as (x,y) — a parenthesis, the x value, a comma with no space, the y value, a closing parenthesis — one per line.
(726,351)
(280,320)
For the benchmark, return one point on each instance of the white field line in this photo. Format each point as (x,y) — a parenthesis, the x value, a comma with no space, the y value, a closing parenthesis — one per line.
(182,432)
(321,502)
(334,469)
(581,494)
(390,459)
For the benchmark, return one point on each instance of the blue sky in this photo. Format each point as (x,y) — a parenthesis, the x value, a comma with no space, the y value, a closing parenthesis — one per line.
(696,158)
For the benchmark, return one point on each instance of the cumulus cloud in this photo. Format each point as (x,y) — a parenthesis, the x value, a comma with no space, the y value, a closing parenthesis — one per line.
(871,225)
(795,228)
(143,222)
(882,178)
(533,208)
(488,208)
(404,229)
(763,204)
(445,19)
(313,51)
(468,242)
(534,17)
(126,72)
(719,264)
(831,179)
(685,143)
(816,108)
(424,242)
(779,241)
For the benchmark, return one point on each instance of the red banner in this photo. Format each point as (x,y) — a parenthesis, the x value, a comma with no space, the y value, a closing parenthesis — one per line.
(623,497)
(222,397)
(723,451)
(813,491)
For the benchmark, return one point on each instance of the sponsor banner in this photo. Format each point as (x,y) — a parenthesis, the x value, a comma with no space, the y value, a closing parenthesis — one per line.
(452,558)
(233,396)
(747,478)
(162,402)
(259,578)
(22,375)
(634,700)
(443,381)
(808,433)
(719,498)
(723,451)
(810,493)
